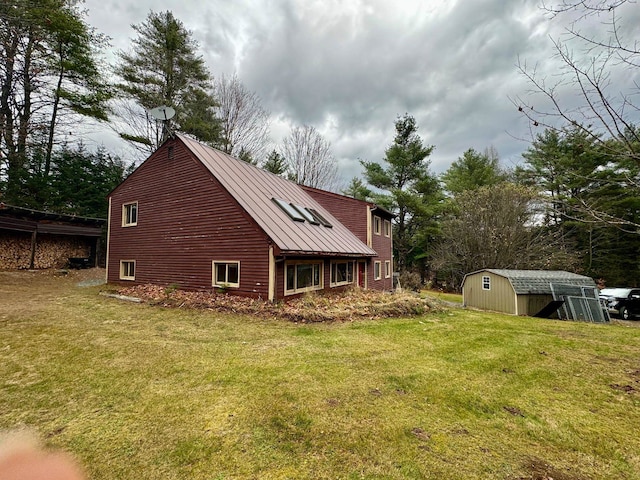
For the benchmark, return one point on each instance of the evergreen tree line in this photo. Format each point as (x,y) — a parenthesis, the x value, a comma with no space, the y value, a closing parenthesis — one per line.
(53,81)
(570,205)
(573,203)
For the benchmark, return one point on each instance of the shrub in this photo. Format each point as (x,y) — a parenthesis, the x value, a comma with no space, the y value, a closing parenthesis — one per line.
(410,281)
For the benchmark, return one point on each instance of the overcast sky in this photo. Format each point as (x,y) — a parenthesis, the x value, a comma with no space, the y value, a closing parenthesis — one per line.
(350,67)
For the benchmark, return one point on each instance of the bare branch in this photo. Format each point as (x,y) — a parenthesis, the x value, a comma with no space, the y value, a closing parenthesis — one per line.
(308,156)
(245,123)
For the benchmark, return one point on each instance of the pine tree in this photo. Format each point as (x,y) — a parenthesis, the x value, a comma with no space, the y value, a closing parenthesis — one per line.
(413,192)
(357,189)
(473,170)
(275,164)
(163,69)
(50,77)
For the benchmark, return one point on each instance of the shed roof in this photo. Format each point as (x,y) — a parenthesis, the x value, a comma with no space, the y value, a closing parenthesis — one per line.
(537,282)
(254,189)
(28,220)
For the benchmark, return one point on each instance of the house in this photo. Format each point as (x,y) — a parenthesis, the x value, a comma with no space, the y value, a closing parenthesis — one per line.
(197,218)
(375,232)
(33,239)
(519,292)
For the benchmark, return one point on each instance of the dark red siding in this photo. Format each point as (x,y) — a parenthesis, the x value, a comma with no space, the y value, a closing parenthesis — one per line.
(383,246)
(350,212)
(185,221)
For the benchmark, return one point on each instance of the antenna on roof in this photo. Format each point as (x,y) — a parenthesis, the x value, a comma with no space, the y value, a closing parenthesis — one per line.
(163,114)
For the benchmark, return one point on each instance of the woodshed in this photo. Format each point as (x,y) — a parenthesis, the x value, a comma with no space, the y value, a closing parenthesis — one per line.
(32,239)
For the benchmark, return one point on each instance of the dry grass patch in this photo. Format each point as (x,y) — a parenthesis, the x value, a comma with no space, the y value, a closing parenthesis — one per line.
(348,305)
(136,391)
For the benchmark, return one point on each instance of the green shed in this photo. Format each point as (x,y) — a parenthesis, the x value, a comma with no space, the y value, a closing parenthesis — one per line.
(519,292)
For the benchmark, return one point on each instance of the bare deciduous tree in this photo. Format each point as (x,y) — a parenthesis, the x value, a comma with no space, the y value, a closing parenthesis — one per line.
(309,159)
(244,122)
(495,227)
(588,64)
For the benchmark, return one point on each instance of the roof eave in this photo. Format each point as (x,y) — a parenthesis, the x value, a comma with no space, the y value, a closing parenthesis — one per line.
(303,253)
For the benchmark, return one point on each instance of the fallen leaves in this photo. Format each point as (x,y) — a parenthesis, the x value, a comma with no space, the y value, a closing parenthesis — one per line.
(347,305)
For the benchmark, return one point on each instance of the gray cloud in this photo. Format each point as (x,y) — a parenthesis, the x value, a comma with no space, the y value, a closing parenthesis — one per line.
(350,68)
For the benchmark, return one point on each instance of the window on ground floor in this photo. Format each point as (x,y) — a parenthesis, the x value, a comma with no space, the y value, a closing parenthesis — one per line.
(486,283)
(226,274)
(302,277)
(127,270)
(377,275)
(341,273)
(387,268)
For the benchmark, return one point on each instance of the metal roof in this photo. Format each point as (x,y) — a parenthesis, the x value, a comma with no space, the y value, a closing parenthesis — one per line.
(254,189)
(538,281)
(29,220)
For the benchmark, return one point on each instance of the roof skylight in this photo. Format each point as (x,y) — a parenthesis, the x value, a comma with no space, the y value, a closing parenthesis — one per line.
(323,221)
(300,214)
(306,214)
(289,210)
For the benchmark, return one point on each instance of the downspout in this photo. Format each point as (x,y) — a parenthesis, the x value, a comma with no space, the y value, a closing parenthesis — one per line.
(272,275)
(369,237)
(108,240)
(391,238)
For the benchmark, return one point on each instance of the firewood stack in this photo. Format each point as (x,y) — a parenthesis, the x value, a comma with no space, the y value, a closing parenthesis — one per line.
(52,251)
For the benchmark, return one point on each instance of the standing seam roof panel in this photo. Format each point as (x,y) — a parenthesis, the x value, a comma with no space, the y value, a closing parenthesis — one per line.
(253,189)
(538,281)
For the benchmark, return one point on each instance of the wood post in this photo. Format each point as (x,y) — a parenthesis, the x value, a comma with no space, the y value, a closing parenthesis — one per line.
(34,237)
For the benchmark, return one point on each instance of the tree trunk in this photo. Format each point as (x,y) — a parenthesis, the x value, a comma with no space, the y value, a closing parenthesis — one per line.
(54,115)
(6,113)
(25,115)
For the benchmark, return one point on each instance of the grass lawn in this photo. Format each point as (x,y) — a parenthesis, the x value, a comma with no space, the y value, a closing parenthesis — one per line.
(444,296)
(140,392)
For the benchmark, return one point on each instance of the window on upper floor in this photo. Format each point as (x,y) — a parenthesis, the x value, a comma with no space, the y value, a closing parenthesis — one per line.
(130,214)
(376,225)
(387,228)
(226,274)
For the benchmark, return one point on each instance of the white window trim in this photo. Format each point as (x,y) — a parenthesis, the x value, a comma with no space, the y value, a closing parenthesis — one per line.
(379,265)
(122,274)
(387,228)
(346,282)
(387,268)
(486,282)
(307,289)
(213,274)
(124,214)
(377,225)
